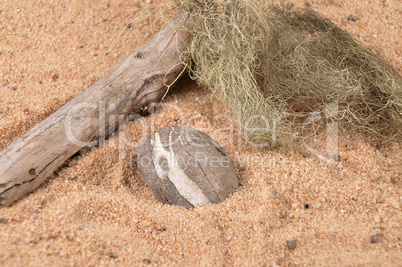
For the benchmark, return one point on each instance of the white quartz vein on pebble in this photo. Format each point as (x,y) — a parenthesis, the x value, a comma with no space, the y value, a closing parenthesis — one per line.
(186,187)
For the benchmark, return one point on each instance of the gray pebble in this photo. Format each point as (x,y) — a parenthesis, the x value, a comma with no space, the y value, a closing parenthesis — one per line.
(352,18)
(292,244)
(337,157)
(111,255)
(186,167)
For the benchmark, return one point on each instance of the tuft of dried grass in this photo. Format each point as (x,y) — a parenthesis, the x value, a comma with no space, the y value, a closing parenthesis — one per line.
(275,66)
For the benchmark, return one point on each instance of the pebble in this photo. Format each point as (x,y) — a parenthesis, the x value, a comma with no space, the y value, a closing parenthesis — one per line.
(72,163)
(4,221)
(352,18)
(376,238)
(278,223)
(377,219)
(292,244)
(112,255)
(55,77)
(337,157)
(146,260)
(373,239)
(53,235)
(186,167)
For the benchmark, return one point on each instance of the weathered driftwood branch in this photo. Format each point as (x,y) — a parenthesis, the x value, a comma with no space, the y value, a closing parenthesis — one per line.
(134,84)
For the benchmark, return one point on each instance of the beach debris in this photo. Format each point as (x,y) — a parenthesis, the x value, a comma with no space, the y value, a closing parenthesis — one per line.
(126,90)
(287,71)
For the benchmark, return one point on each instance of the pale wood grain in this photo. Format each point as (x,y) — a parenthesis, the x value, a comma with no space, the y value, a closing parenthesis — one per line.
(131,86)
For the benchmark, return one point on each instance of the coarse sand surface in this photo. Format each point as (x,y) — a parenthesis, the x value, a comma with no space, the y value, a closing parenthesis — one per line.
(293,209)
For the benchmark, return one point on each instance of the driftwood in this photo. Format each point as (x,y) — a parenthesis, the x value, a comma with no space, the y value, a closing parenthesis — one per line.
(137,82)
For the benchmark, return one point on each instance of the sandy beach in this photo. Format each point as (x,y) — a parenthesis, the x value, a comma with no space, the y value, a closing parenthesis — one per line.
(293,208)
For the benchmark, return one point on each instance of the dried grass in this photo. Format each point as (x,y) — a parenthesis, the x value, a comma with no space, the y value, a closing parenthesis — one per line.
(275,65)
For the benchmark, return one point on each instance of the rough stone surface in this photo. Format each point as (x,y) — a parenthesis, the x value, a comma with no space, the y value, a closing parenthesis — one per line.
(186,167)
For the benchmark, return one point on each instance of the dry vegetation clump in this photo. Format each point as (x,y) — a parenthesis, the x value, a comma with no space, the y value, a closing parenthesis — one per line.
(275,65)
